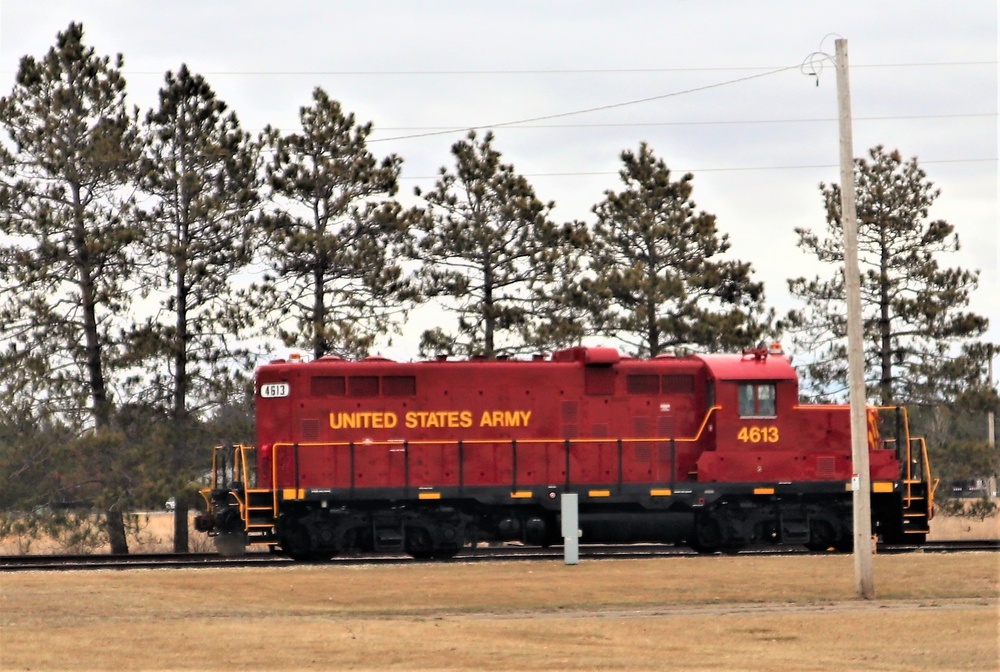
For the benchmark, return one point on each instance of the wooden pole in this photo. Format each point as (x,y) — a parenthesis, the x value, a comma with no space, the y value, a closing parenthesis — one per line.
(863,578)
(990,418)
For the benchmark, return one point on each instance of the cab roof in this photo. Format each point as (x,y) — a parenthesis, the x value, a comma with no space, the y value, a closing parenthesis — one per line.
(749,366)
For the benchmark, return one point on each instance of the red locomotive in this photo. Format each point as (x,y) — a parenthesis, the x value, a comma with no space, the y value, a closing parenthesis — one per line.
(712,451)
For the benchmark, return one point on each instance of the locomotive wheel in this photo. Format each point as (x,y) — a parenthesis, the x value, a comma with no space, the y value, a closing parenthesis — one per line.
(296,543)
(707,535)
(845,544)
(821,536)
(419,544)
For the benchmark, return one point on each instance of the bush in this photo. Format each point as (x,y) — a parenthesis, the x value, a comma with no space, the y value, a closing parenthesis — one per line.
(981,508)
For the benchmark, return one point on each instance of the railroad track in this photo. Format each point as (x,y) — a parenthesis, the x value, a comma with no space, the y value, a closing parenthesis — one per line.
(480,554)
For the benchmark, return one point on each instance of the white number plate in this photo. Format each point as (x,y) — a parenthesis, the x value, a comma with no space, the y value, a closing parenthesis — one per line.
(274,390)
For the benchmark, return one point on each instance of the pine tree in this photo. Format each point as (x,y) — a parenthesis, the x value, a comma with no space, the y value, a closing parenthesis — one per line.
(658,282)
(64,204)
(560,302)
(334,235)
(913,310)
(201,171)
(485,245)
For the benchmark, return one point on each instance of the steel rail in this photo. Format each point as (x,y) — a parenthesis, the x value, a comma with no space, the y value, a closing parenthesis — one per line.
(480,554)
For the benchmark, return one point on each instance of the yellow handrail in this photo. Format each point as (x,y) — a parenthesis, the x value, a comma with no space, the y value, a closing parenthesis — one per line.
(465,442)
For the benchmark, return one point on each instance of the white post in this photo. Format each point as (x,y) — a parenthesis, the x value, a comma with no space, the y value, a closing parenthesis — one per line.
(570,504)
(990,421)
(863,579)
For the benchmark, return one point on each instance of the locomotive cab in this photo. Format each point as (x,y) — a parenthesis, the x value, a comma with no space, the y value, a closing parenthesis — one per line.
(756,435)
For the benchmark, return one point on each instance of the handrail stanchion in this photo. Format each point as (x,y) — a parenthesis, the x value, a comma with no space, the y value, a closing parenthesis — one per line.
(673,464)
(406,469)
(274,478)
(353,470)
(568,443)
(461,467)
(619,465)
(513,458)
(295,448)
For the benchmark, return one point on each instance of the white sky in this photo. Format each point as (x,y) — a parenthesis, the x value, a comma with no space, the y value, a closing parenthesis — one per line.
(923,80)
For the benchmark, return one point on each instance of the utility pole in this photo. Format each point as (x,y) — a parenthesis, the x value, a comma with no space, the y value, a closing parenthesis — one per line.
(990,418)
(863,579)
(990,432)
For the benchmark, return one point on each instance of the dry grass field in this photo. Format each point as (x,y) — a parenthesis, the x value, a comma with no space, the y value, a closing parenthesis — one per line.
(932,612)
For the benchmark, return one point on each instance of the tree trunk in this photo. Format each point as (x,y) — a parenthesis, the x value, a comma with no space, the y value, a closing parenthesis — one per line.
(885,326)
(319,314)
(180,527)
(116,532)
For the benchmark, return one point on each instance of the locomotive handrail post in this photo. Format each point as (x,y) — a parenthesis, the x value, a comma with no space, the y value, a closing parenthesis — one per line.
(221,470)
(620,465)
(673,464)
(295,448)
(274,478)
(567,443)
(899,444)
(351,451)
(406,468)
(513,450)
(461,467)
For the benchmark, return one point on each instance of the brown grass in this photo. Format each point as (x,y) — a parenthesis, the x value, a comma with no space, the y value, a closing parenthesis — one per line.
(932,612)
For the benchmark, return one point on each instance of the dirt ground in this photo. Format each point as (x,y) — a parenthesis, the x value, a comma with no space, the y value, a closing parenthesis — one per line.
(932,612)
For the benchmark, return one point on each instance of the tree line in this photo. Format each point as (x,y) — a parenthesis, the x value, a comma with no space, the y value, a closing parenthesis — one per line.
(132,247)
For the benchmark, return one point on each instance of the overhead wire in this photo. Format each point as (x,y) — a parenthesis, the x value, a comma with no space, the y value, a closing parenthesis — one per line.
(549,71)
(717,122)
(816,166)
(599,108)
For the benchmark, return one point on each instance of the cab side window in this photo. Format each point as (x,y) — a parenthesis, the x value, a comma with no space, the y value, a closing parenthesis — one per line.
(757,400)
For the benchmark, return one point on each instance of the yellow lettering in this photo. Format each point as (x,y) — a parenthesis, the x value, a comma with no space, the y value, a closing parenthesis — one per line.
(450,420)
(501,419)
(364,420)
(768,434)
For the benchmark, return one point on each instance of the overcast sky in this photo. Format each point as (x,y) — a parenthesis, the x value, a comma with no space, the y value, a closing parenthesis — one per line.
(715,88)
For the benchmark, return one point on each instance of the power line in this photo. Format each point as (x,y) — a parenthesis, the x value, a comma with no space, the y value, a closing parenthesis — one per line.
(519,72)
(599,108)
(818,166)
(722,122)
